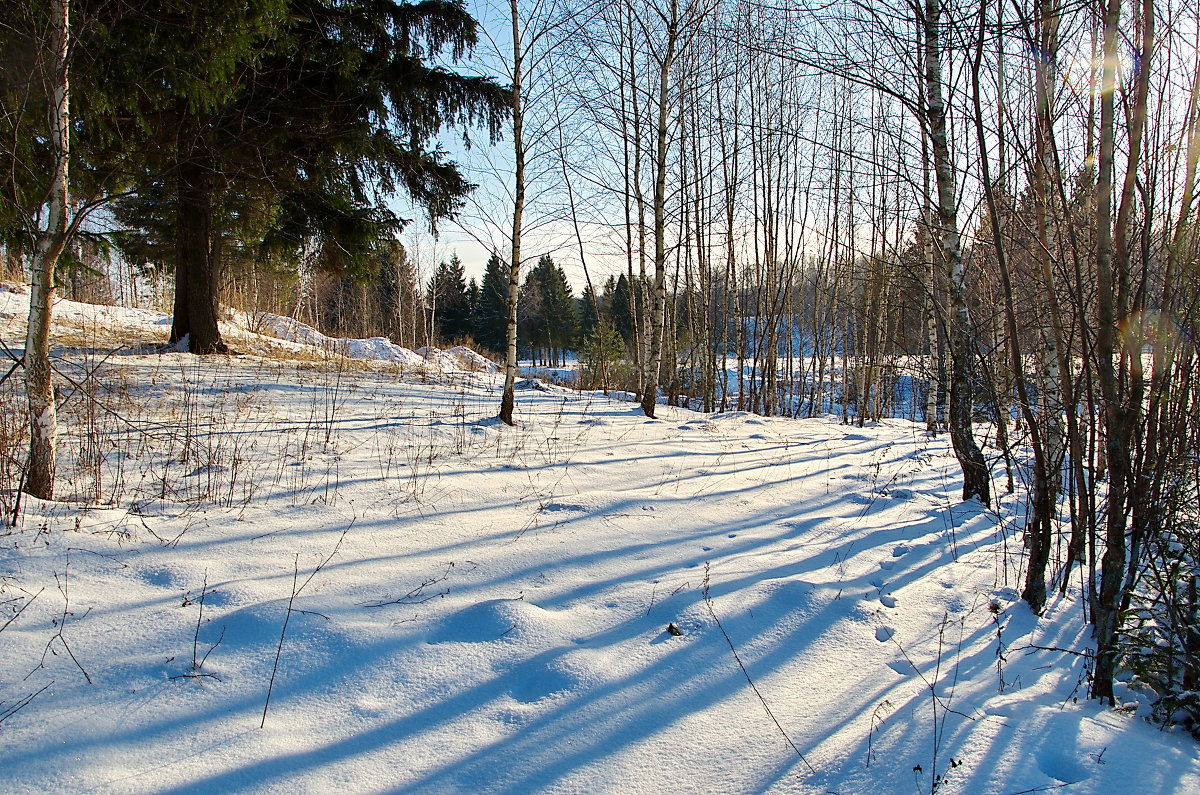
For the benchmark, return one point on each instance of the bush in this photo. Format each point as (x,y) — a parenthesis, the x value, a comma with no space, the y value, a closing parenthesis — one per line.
(602,361)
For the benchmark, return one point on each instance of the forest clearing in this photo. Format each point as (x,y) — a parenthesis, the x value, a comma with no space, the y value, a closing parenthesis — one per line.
(624,395)
(433,601)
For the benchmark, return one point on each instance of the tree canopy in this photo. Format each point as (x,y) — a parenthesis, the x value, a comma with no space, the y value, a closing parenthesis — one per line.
(283,126)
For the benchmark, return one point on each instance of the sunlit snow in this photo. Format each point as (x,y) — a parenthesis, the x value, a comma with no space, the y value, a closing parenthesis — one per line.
(490,605)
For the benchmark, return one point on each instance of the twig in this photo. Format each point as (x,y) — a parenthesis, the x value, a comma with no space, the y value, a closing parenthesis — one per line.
(279,648)
(416,592)
(12,369)
(204,659)
(64,589)
(20,705)
(653,591)
(931,685)
(199,620)
(113,558)
(18,359)
(288,617)
(708,603)
(1043,788)
(310,613)
(875,720)
(16,511)
(17,614)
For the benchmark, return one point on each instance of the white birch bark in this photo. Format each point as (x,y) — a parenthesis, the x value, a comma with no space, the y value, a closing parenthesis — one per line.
(508,399)
(43,418)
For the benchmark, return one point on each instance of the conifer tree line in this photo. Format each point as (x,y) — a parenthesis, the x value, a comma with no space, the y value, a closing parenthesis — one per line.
(477,312)
(979,216)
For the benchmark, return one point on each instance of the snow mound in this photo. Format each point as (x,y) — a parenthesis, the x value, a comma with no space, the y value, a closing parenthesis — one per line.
(284,328)
(544,681)
(474,362)
(378,349)
(510,620)
(375,349)
(14,305)
(458,359)
(730,415)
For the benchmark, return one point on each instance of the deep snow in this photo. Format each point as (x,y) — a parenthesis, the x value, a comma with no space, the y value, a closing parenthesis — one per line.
(491,607)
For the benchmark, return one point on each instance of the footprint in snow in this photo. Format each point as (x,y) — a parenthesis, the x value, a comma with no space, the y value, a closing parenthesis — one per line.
(539,683)
(902,549)
(1061,764)
(884,634)
(887,601)
(887,565)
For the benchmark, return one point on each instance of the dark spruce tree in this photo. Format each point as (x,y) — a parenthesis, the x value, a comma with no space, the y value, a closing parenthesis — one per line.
(491,312)
(559,306)
(474,295)
(549,316)
(620,302)
(295,140)
(587,312)
(450,300)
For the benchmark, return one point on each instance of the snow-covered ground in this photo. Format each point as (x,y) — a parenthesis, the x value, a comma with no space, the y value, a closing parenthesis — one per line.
(436,603)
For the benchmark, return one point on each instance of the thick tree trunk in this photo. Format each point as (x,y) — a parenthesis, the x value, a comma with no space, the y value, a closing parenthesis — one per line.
(196,270)
(976,478)
(43,418)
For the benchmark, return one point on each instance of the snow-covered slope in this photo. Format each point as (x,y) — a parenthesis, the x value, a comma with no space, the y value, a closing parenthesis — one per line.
(255,332)
(437,603)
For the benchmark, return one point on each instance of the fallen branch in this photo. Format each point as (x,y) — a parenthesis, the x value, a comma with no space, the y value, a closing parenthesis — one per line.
(193,675)
(1054,648)
(408,597)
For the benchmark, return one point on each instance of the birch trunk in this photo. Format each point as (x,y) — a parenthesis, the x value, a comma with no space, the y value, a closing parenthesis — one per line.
(659,314)
(43,418)
(508,399)
(976,479)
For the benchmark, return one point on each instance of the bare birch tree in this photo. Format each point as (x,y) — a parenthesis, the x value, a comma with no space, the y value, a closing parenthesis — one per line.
(43,418)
